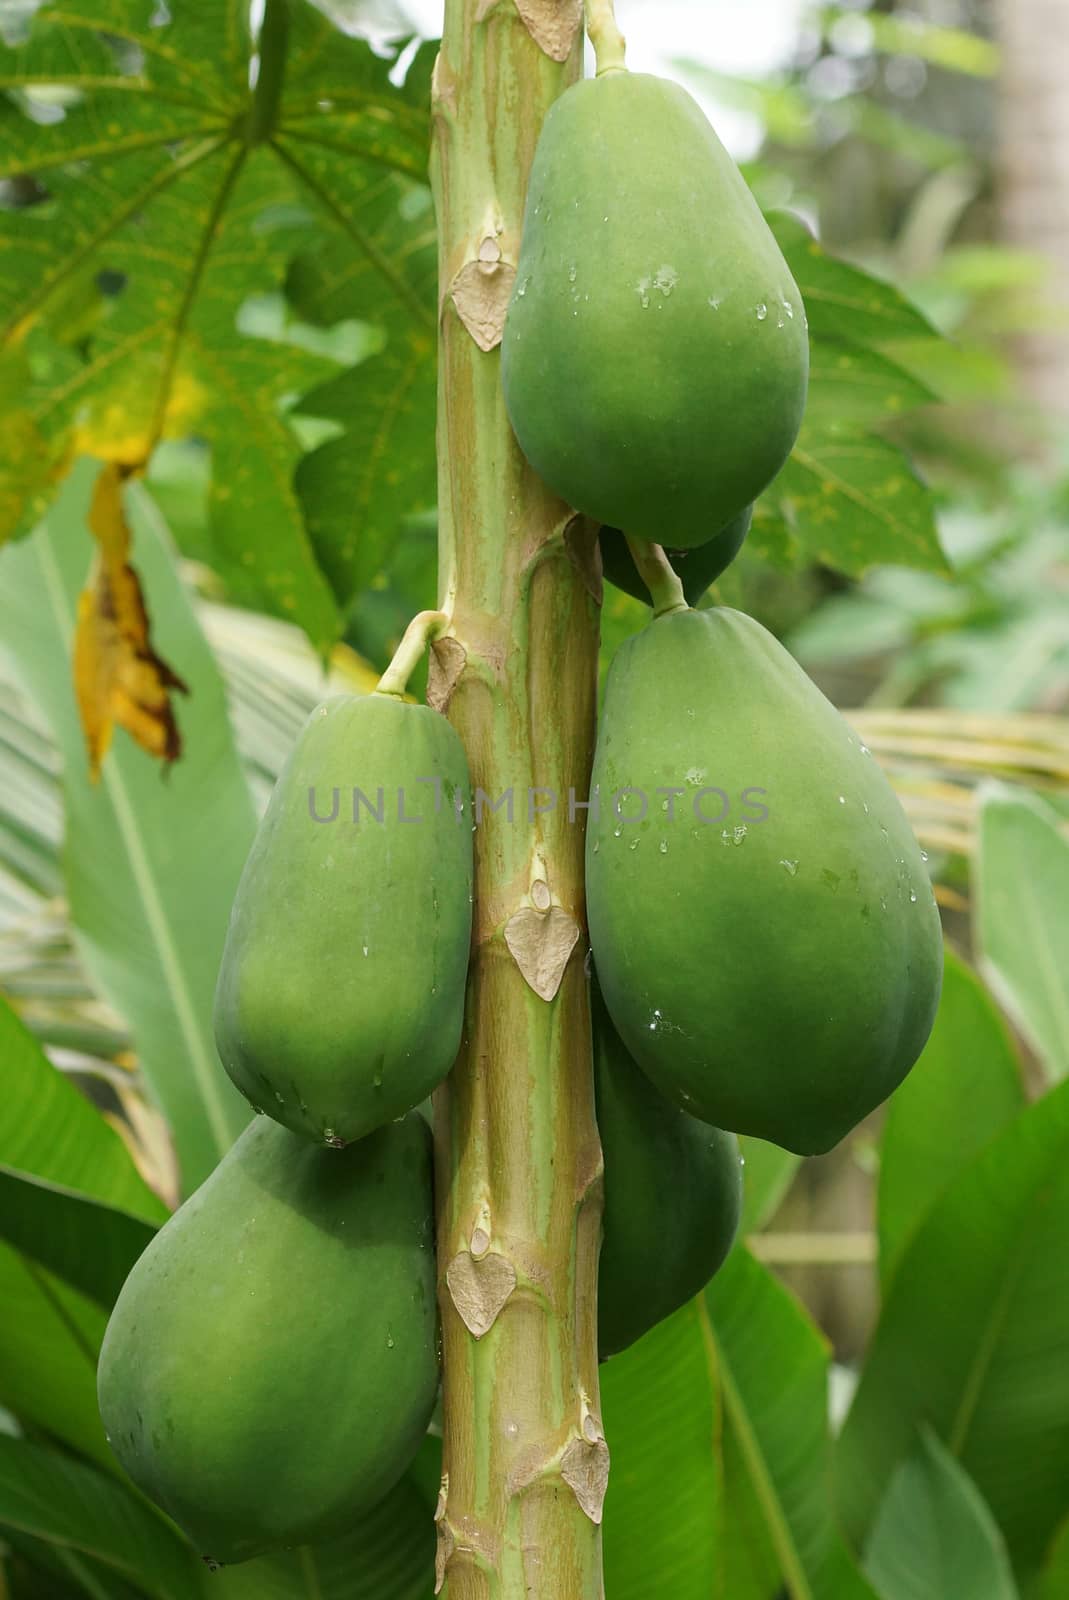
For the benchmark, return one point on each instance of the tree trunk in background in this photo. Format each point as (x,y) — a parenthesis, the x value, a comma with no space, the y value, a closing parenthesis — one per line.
(1034,175)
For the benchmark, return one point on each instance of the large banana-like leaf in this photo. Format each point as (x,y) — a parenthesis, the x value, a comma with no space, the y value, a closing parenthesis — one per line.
(151,865)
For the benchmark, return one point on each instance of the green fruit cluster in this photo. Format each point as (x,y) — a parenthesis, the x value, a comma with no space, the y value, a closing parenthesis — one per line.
(271,1364)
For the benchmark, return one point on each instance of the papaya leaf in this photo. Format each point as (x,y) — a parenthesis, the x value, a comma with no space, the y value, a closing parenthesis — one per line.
(858,383)
(934,1536)
(151,866)
(48,1130)
(971,1340)
(172,198)
(844,303)
(74,1509)
(661,1406)
(854,502)
(49,1339)
(926,1141)
(357,489)
(1021,885)
(773,1367)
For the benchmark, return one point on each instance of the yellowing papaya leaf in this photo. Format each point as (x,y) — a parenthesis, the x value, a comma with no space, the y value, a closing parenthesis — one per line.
(118,676)
(168,188)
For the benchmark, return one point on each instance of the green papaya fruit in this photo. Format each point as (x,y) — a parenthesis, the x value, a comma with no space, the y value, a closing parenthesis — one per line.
(340,998)
(696,568)
(673,1196)
(655,356)
(270,1366)
(763,926)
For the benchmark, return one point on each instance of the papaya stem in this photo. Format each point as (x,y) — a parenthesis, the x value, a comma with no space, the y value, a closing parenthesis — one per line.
(424,628)
(610,46)
(518,1157)
(659,576)
(271,52)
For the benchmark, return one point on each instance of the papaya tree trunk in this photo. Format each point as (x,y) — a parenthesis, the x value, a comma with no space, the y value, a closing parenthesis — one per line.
(518,1158)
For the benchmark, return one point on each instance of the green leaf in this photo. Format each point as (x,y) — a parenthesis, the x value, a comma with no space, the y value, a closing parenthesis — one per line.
(90,1246)
(773,1366)
(152,866)
(860,385)
(49,1340)
(926,1140)
(69,1506)
(1055,1581)
(387,1555)
(49,1130)
(854,502)
(768,1173)
(161,223)
(661,1407)
(934,1536)
(843,302)
(76,1511)
(358,489)
(1021,884)
(972,1340)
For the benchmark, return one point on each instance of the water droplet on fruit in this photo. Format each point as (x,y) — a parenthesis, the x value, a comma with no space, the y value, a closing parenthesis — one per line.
(666,280)
(842,799)
(790,866)
(279,1098)
(642,289)
(924,855)
(633,845)
(366,947)
(715,301)
(788,308)
(664,847)
(573,273)
(912,897)
(762,312)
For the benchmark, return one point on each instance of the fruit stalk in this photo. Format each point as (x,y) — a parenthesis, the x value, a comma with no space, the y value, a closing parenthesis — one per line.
(659,576)
(518,1156)
(610,46)
(421,630)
